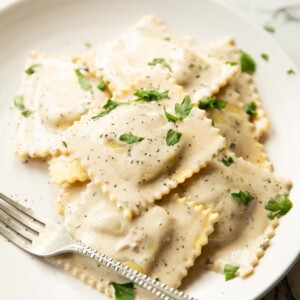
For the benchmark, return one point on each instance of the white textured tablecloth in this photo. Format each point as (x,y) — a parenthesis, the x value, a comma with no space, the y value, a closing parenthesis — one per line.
(288,36)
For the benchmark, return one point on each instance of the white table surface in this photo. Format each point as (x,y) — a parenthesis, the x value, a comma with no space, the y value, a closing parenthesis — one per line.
(287,34)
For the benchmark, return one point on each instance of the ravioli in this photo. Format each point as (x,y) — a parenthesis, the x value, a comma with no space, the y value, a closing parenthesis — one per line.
(51,92)
(226,51)
(150,41)
(244,231)
(234,125)
(162,242)
(64,169)
(135,175)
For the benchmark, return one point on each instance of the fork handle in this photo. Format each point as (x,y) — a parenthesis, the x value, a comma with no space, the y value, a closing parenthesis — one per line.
(151,285)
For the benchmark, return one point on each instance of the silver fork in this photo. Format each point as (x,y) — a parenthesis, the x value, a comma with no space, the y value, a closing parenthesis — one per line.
(42,237)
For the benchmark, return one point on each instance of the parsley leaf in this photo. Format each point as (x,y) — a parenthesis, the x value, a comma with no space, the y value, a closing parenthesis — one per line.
(227,162)
(173,137)
(129,138)
(160,61)
(265,56)
(250,108)
(212,102)
(229,271)
(84,83)
(291,72)
(269,28)
(151,95)
(102,85)
(231,63)
(123,291)
(108,107)
(279,205)
(19,103)
(244,197)
(183,110)
(247,63)
(170,117)
(64,144)
(31,69)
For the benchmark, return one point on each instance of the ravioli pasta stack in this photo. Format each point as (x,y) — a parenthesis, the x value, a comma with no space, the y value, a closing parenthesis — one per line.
(154,141)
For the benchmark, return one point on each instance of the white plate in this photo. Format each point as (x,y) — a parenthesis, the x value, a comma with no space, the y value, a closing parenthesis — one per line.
(63,26)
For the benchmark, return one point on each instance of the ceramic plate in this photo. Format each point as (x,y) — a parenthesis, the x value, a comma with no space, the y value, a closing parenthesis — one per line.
(64,26)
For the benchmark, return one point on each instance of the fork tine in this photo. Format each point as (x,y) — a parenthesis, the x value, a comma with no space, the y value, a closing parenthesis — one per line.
(24,209)
(7,220)
(14,238)
(17,215)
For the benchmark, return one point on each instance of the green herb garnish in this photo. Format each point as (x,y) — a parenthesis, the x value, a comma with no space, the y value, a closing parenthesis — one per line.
(129,138)
(229,271)
(150,95)
(19,103)
(64,144)
(269,28)
(265,56)
(250,108)
(278,206)
(170,117)
(291,72)
(227,162)
(231,63)
(31,69)
(108,107)
(247,63)
(160,61)
(244,197)
(123,291)
(84,83)
(212,102)
(181,110)
(102,85)
(173,137)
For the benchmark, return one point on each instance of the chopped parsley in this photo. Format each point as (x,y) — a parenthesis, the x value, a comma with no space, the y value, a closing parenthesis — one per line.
(232,63)
(19,103)
(278,206)
(150,94)
(31,69)
(102,85)
(181,110)
(108,107)
(212,102)
(84,83)
(64,144)
(167,38)
(250,109)
(123,291)
(229,271)
(269,28)
(247,63)
(129,138)
(173,137)
(160,61)
(88,45)
(244,197)
(291,72)
(227,162)
(170,117)
(265,56)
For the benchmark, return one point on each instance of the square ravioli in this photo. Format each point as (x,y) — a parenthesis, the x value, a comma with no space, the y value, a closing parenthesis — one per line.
(226,51)
(136,154)
(50,100)
(162,242)
(151,42)
(238,191)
